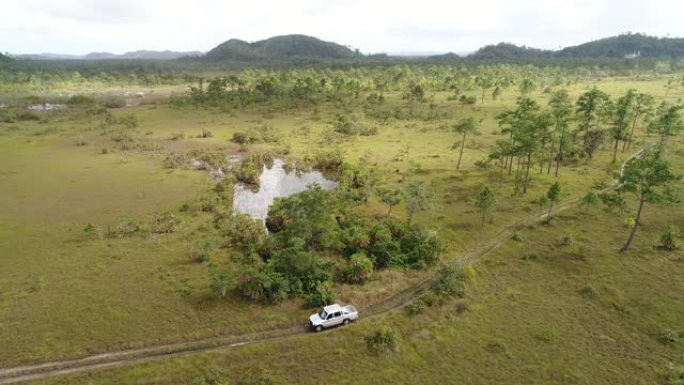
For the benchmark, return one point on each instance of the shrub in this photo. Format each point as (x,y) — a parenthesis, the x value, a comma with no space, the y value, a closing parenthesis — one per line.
(590,199)
(91,231)
(359,269)
(420,248)
(467,100)
(452,278)
(327,159)
(244,232)
(164,223)
(204,133)
(222,280)
(384,249)
(263,284)
(669,336)
(385,339)
(256,378)
(589,291)
(249,168)
(484,163)
(80,100)
(24,115)
(125,229)
(670,240)
(209,159)
(675,374)
(240,138)
(307,216)
(114,102)
(177,136)
(417,307)
(322,295)
(261,133)
(367,130)
(201,250)
(356,238)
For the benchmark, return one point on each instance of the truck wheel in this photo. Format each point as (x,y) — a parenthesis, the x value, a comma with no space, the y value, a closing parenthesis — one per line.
(345,322)
(319,328)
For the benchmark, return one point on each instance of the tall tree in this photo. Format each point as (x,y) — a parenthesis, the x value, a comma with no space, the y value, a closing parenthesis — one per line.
(485,201)
(485,81)
(669,122)
(622,114)
(418,198)
(561,110)
(464,127)
(389,197)
(526,87)
(643,104)
(650,179)
(592,107)
(514,122)
(530,139)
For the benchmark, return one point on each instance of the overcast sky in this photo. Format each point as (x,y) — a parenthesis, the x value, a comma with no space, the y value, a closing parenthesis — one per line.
(82,26)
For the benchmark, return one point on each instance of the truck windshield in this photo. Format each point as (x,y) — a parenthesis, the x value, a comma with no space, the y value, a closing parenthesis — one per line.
(322,314)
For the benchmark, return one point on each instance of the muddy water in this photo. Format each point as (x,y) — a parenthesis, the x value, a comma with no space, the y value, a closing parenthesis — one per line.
(274,183)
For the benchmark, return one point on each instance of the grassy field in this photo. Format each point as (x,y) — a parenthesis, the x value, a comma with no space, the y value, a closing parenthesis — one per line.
(530,318)
(64,294)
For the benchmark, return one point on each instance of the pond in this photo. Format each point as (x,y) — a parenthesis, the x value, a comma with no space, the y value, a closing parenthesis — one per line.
(275,182)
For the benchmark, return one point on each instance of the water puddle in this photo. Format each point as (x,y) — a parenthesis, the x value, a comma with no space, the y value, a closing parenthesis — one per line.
(275,183)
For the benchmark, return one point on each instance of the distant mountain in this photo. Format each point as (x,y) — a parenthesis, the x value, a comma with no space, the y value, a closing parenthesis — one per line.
(159,55)
(445,57)
(47,56)
(508,51)
(142,55)
(279,48)
(99,56)
(304,48)
(420,54)
(629,46)
(626,46)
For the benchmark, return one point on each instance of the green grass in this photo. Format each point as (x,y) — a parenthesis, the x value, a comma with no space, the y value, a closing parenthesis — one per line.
(529,321)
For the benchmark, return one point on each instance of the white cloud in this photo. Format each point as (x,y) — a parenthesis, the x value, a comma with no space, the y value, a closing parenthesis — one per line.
(80,26)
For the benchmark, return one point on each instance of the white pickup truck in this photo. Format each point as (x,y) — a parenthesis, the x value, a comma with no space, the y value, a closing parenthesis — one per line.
(333,315)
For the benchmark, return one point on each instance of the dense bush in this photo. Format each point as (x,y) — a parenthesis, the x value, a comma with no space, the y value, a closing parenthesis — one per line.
(250,167)
(307,216)
(308,231)
(222,280)
(670,239)
(359,268)
(322,295)
(261,133)
(330,159)
(263,284)
(452,278)
(243,232)
(467,100)
(80,100)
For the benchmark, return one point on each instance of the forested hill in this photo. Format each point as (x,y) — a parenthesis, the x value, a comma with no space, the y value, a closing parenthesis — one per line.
(627,44)
(279,48)
(507,51)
